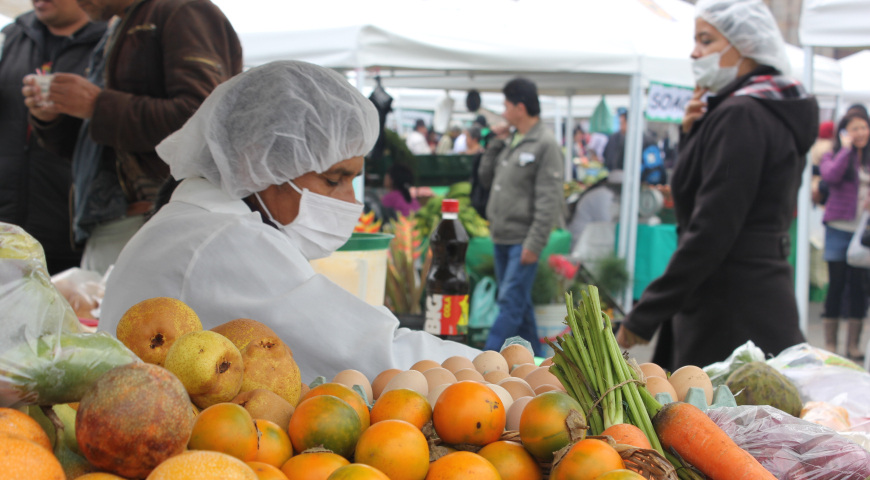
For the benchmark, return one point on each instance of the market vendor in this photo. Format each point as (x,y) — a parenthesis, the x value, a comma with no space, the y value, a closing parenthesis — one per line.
(735,193)
(267,164)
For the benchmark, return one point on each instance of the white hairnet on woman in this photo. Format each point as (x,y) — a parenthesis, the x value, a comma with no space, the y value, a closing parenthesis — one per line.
(267,165)
(750,27)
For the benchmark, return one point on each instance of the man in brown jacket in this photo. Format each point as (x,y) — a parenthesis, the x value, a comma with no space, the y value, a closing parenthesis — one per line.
(163,58)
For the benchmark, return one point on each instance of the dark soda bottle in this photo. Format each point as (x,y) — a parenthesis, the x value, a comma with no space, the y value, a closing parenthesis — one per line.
(447,284)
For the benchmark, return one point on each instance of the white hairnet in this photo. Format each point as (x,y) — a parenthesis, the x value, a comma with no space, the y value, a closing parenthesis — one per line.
(749,27)
(272,124)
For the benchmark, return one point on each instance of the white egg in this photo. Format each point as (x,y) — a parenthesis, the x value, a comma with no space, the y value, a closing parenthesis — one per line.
(349,378)
(438,376)
(517,355)
(411,379)
(457,363)
(489,361)
(434,394)
(506,399)
(515,412)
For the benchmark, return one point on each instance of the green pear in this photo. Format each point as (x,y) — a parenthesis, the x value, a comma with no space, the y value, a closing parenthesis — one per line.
(209,366)
(68,416)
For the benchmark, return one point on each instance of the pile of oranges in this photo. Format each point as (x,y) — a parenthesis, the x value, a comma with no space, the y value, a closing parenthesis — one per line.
(335,432)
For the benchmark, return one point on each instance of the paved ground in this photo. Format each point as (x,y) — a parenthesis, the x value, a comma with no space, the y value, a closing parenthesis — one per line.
(815,334)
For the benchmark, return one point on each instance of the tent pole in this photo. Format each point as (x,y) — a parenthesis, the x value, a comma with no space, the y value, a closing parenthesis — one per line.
(569,137)
(626,247)
(557,123)
(359,182)
(802,262)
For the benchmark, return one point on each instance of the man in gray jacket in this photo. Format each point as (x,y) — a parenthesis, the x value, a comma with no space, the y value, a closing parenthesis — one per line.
(523,171)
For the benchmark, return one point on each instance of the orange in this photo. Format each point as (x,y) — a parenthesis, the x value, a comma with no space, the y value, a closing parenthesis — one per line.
(621,475)
(402,404)
(628,434)
(265,471)
(226,428)
(469,412)
(275,447)
(18,424)
(99,476)
(203,465)
(462,466)
(587,460)
(358,471)
(396,448)
(512,461)
(313,466)
(325,421)
(340,391)
(542,424)
(21,458)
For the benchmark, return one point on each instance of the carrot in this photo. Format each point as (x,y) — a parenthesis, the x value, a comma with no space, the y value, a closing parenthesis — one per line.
(686,429)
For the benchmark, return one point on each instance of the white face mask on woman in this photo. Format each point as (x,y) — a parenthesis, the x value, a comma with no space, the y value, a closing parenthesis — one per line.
(323,224)
(708,73)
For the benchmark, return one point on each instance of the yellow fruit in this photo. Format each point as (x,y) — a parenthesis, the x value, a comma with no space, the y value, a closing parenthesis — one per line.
(209,366)
(150,327)
(203,465)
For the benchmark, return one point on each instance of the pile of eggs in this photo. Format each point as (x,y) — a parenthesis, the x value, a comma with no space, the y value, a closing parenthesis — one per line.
(511,374)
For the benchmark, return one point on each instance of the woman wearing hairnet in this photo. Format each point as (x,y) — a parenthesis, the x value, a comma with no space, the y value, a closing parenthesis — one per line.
(735,192)
(267,164)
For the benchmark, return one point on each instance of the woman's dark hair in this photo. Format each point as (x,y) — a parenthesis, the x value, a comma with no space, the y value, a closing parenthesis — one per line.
(857,107)
(852,172)
(520,90)
(403,179)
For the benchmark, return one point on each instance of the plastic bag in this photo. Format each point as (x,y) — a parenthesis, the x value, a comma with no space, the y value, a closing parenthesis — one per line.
(484,304)
(857,255)
(821,376)
(746,353)
(517,341)
(791,448)
(83,289)
(45,358)
(827,415)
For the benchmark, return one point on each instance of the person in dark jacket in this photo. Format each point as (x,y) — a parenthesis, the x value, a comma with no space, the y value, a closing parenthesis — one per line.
(735,192)
(35,183)
(164,58)
(846,171)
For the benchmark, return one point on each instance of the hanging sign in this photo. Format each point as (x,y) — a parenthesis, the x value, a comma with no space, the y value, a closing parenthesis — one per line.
(667,102)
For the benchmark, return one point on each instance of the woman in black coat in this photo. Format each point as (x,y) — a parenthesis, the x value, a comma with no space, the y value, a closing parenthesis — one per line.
(735,193)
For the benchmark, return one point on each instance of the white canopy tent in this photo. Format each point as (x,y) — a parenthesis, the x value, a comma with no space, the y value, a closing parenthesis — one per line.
(823,23)
(4,20)
(856,78)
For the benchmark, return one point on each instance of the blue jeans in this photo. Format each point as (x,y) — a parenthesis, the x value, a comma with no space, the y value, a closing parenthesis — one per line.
(516,314)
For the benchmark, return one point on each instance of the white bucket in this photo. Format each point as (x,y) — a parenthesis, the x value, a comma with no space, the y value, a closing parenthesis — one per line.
(551,323)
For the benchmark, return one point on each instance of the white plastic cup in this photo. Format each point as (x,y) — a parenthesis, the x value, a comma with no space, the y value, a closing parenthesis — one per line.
(44,84)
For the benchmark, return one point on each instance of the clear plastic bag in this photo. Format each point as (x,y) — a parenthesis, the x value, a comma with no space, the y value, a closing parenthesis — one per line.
(857,255)
(821,376)
(484,304)
(791,448)
(720,371)
(827,415)
(83,289)
(45,358)
(518,341)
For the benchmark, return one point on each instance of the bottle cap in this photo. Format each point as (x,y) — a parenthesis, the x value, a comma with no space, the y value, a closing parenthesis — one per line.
(449,206)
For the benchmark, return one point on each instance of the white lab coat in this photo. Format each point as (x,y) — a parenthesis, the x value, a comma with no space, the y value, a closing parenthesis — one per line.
(218,257)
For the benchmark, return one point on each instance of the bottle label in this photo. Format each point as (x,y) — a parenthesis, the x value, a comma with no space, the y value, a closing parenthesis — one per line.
(446,314)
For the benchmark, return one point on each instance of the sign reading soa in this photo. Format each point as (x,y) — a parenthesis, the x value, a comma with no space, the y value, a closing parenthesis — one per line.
(667,103)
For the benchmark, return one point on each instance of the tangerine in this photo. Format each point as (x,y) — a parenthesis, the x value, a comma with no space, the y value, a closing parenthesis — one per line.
(462,466)
(275,447)
(340,391)
(313,466)
(203,465)
(226,428)
(99,476)
(358,471)
(587,460)
(327,421)
(396,448)
(264,471)
(402,404)
(542,424)
(512,461)
(628,434)
(469,413)
(20,459)
(18,424)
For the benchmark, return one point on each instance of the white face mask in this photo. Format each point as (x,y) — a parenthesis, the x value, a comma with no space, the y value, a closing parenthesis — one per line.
(323,225)
(708,73)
